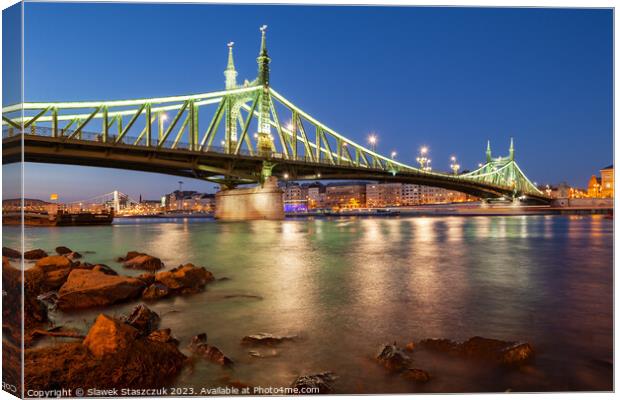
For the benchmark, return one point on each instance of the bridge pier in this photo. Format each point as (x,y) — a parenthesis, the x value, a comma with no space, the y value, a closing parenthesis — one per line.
(259,202)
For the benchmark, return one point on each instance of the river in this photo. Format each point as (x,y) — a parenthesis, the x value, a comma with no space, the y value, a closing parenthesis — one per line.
(346,286)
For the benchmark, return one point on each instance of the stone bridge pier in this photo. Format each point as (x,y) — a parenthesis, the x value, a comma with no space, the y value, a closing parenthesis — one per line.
(259,202)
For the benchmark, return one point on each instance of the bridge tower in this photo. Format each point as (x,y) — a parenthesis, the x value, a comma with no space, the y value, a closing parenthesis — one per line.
(232,107)
(265,143)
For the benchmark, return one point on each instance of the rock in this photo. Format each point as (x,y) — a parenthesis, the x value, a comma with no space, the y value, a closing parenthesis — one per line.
(198,339)
(258,354)
(143,319)
(417,375)
(155,291)
(62,250)
(410,347)
(74,255)
(50,273)
(482,348)
(104,269)
(10,253)
(265,339)
(110,358)
(109,336)
(323,382)
(517,353)
(199,346)
(186,278)
(147,278)
(34,254)
(163,336)
(129,256)
(145,262)
(393,358)
(86,288)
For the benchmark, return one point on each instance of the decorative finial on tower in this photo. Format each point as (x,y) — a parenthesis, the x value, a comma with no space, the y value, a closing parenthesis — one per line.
(263,58)
(488,151)
(512,150)
(230,73)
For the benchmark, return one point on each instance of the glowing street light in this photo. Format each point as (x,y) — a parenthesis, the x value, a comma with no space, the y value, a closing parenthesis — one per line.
(454,165)
(393,154)
(423,160)
(161,119)
(285,175)
(372,139)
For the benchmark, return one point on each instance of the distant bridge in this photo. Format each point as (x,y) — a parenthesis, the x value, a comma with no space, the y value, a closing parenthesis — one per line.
(140,135)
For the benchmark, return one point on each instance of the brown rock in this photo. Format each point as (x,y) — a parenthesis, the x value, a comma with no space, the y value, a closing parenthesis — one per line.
(393,358)
(155,291)
(86,288)
(104,269)
(417,375)
(483,348)
(163,336)
(147,278)
(109,336)
(129,256)
(323,382)
(410,347)
(62,250)
(34,254)
(517,353)
(186,278)
(145,262)
(143,319)
(74,255)
(265,339)
(199,346)
(53,263)
(10,253)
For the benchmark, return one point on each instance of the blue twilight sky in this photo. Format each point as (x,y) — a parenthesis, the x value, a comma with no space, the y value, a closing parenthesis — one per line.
(448,78)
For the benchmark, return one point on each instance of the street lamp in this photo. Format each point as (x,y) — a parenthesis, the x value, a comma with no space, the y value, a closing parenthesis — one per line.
(393,154)
(372,139)
(162,118)
(454,166)
(423,160)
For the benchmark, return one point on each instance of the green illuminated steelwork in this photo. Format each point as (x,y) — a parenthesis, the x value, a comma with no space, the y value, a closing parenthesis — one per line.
(240,107)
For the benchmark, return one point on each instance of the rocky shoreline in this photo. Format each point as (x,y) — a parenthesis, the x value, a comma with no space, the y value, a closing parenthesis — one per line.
(133,351)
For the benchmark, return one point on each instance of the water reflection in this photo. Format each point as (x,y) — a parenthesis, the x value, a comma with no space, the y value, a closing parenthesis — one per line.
(348,285)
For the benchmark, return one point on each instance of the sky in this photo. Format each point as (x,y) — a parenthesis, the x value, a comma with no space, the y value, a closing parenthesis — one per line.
(446,78)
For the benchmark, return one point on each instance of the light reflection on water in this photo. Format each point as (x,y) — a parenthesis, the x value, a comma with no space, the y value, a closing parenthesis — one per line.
(348,285)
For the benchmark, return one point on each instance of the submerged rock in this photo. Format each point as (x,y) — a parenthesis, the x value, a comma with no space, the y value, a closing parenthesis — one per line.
(265,339)
(393,358)
(163,336)
(322,381)
(417,375)
(50,272)
(143,319)
(10,253)
(62,250)
(87,288)
(185,279)
(35,254)
(145,262)
(129,256)
(484,349)
(200,347)
(155,291)
(147,278)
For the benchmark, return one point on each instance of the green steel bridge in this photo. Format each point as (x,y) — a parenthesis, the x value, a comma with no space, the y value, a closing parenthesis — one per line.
(253,132)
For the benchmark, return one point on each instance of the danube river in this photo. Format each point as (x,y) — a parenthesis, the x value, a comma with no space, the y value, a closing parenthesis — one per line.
(346,286)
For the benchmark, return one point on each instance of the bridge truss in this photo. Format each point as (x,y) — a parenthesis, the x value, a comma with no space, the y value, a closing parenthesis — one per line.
(249,120)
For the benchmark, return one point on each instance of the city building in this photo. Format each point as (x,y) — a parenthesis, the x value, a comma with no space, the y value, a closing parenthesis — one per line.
(189,201)
(345,195)
(294,197)
(384,194)
(602,186)
(607,181)
(316,195)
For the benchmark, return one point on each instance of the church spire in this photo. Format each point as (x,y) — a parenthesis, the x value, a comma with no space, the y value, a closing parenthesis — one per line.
(230,73)
(488,151)
(263,58)
(512,150)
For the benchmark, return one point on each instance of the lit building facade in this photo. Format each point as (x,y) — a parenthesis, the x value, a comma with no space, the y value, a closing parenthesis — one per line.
(345,195)
(384,194)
